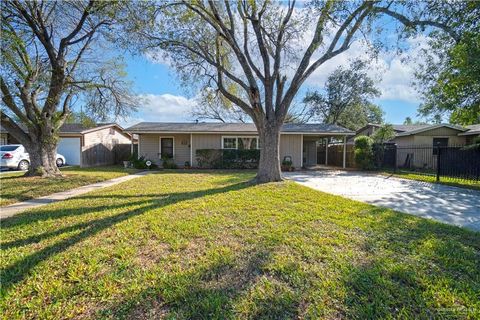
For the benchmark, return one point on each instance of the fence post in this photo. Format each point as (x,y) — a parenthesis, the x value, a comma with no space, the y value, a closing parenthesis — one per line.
(438,163)
(395,164)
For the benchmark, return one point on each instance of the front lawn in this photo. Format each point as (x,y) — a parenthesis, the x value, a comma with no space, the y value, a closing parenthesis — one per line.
(213,246)
(15,187)
(465,183)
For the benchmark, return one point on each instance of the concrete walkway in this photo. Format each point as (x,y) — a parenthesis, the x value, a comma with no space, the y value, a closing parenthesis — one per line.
(457,206)
(18,207)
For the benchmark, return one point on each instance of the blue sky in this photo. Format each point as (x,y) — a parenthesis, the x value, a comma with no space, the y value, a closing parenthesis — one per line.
(163,98)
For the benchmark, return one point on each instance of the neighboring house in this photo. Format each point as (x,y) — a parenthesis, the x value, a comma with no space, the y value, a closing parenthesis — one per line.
(87,146)
(181,140)
(472,133)
(90,146)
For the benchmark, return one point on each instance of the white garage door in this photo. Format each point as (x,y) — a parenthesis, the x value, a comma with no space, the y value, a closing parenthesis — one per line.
(70,149)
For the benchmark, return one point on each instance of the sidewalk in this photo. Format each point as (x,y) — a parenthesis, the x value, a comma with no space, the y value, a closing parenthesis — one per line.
(18,207)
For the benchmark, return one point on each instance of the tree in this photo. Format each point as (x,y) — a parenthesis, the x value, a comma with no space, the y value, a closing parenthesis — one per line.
(383,134)
(52,56)
(408,121)
(81,117)
(449,78)
(250,51)
(347,91)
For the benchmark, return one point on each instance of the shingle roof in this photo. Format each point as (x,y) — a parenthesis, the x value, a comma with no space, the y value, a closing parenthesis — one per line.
(472,129)
(73,127)
(231,127)
(409,127)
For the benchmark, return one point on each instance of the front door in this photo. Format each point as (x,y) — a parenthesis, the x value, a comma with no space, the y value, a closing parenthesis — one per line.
(166,148)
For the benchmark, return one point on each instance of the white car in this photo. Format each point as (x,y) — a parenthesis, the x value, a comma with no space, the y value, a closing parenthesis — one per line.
(14,156)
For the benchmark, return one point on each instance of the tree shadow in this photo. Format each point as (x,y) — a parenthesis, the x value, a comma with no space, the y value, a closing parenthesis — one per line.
(405,258)
(17,271)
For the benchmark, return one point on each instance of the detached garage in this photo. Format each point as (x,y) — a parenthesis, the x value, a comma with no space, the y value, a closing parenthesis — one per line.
(102,144)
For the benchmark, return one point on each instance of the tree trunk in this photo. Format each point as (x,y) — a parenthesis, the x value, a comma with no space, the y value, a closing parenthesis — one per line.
(43,157)
(269,165)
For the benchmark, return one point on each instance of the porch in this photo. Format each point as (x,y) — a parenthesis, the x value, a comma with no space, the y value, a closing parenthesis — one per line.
(323,151)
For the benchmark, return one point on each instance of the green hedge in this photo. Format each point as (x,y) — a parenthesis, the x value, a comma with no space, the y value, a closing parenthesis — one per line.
(227,159)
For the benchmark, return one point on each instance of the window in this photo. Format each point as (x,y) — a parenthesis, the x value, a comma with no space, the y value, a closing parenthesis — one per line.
(240,143)
(8,148)
(439,142)
(229,143)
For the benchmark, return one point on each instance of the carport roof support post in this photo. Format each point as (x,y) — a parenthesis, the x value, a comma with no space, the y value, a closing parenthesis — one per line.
(344,151)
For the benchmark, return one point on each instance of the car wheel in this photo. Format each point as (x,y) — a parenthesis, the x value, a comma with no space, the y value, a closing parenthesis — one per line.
(23,165)
(59,162)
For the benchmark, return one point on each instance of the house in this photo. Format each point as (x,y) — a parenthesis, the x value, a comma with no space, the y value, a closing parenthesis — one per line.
(90,146)
(180,141)
(87,146)
(472,133)
(421,134)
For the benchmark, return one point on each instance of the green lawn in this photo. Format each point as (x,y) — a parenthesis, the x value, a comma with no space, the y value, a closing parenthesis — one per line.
(469,184)
(15,187)
(204,245)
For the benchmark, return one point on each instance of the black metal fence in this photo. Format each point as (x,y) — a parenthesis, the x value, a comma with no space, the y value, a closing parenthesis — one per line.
(453,162)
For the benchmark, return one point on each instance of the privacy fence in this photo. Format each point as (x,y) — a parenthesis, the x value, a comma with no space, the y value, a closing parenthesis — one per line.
(105,154)
(453,162)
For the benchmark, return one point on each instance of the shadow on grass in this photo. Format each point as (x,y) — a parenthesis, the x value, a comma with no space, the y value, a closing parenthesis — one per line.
(17,271)
(410,264)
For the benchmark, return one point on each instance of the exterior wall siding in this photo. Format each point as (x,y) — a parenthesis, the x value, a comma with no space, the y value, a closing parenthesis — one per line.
(291,145)
(105,136)
(149,147)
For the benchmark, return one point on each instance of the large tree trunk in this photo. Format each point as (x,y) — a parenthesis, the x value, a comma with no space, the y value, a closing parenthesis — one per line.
(269,165)
(43,157)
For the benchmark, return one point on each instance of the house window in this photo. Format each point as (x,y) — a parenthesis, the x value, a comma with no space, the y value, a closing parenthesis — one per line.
(439,142)
(240,143)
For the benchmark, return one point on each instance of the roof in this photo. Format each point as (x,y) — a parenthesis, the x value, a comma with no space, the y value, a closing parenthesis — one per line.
(397,127)
(472,129)
(78,128)
(211,127)
(431,127)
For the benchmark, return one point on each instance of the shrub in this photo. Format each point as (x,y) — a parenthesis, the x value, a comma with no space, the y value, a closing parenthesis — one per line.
(227,159)
(141,163)
(364,152)
(168,163)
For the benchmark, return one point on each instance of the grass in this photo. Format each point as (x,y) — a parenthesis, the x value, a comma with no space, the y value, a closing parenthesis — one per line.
(203,245)
(465,183)
(15,187)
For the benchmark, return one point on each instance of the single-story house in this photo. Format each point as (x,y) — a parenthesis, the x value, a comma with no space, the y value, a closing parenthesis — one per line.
(85,146)
(181,140)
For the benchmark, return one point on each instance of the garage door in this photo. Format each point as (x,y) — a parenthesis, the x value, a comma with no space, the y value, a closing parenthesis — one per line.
(70,149)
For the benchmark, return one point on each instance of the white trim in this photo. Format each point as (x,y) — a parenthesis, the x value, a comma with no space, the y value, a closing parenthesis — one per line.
(236,141)
(139,144)
(160,146)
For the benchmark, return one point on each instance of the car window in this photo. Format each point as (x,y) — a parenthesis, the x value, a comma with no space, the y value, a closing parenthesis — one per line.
(8,148)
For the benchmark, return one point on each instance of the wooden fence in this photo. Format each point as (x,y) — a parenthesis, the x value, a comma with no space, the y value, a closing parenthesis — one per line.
(104,154)
(335,156)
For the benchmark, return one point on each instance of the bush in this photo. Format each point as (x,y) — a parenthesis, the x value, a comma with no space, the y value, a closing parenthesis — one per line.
(227,159)
(141,163)
(168,163)
(364,152)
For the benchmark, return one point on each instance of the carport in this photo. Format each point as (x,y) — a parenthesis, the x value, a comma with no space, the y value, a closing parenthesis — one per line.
(315,148)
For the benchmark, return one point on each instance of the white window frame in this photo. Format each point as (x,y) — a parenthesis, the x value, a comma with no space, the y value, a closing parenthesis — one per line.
(160,146)
(236,141)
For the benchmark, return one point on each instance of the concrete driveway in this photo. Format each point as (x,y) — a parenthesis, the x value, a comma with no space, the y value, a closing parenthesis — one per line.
(447,204)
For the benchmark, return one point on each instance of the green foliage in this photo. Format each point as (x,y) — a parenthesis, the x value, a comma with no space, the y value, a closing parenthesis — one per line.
(83,118)
(168,163)
(383,134)
(346,100)
(141,163)
(228,159)
(449,78)
(364,157)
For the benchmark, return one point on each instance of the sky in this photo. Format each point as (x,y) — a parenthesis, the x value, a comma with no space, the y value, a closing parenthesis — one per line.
(162,98)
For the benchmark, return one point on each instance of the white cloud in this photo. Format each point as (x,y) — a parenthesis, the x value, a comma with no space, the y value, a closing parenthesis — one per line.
(161,108)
